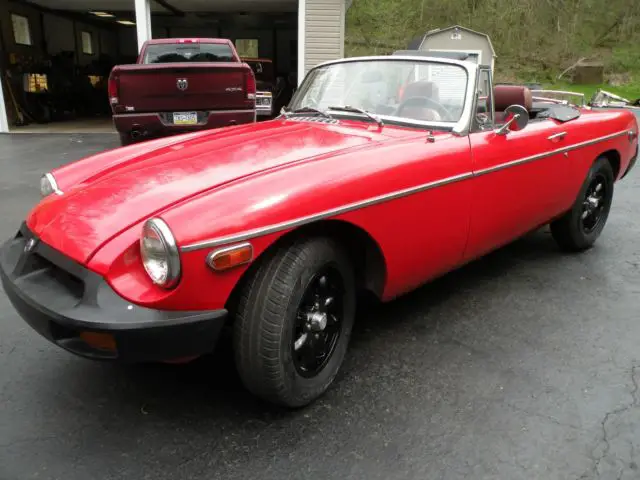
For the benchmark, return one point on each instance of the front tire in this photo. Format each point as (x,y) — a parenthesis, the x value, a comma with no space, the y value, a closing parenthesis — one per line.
(579,228)
(293,322)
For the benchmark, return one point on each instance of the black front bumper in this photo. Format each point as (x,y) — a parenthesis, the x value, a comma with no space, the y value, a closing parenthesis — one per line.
(67,304)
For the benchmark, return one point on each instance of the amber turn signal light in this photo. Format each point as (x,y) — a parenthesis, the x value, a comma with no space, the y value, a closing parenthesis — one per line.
(230,257)
(101,341)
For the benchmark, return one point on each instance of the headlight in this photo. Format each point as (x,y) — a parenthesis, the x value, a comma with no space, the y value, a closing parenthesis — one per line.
(48,185)
(160,255)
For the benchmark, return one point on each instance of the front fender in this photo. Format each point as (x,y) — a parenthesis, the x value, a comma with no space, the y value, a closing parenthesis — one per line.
(200,288)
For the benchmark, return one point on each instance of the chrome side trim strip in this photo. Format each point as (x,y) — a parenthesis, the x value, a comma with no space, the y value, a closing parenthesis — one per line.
(289,224)
(256,232)
(550,153)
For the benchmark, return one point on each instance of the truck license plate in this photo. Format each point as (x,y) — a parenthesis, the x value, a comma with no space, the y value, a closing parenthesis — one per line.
(185,118)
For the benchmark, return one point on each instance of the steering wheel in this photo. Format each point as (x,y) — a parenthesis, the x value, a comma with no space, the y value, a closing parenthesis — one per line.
(437,106)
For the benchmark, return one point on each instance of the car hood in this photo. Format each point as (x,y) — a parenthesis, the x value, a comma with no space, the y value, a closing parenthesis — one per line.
(119,190)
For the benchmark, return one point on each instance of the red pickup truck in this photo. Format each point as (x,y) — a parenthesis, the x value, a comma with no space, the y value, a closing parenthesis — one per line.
(180,85)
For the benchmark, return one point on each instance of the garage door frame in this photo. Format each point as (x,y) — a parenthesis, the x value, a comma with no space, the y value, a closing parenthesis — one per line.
(4,121)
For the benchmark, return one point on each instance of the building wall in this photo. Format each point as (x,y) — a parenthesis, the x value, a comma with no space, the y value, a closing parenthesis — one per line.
(58,34)
(52,34)
(128,43)
(287,51)
(324,31)
(470,41)
(6,9)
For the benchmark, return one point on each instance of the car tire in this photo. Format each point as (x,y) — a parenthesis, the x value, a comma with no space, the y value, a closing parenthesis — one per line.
(284,300)
(578,229)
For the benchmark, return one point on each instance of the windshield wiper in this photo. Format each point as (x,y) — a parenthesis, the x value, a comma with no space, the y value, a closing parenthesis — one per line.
(288,112)
(349,108)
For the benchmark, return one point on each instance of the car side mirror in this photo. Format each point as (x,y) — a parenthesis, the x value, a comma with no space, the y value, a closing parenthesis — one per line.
(516,117)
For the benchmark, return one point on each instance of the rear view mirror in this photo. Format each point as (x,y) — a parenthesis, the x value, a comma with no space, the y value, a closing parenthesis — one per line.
(516,118)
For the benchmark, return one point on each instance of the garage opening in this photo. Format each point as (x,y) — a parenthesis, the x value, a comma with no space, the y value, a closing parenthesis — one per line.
(57,54)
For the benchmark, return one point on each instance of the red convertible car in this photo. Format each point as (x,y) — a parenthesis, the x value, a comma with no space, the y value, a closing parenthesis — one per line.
(383,173)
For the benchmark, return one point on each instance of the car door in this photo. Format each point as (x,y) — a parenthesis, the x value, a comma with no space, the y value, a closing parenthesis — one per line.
(519,177)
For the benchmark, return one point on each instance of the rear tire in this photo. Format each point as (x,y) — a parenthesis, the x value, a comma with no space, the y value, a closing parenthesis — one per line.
(289,338)
(580,227)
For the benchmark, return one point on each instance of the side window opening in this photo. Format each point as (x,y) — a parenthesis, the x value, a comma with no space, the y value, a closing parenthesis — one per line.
(484,117)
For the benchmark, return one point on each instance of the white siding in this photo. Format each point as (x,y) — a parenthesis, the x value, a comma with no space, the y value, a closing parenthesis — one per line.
(324,31)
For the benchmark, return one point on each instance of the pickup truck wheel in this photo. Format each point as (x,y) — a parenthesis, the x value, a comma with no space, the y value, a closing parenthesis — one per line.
(579,228)
(293,322)
(125,139)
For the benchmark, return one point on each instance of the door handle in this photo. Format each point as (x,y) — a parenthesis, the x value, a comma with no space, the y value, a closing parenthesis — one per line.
(557,136)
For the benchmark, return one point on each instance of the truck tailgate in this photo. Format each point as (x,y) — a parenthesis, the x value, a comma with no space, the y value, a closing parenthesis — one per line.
(182,86)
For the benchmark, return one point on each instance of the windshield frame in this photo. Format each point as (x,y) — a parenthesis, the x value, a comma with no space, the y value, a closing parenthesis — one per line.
(460,127)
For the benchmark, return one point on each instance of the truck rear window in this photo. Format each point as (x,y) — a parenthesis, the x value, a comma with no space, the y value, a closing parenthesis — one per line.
(192,52)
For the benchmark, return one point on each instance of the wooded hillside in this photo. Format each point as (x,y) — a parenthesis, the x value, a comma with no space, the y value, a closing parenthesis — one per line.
(535,40)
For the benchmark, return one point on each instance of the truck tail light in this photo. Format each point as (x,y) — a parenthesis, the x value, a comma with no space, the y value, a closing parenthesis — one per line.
(250,84)
(113,88)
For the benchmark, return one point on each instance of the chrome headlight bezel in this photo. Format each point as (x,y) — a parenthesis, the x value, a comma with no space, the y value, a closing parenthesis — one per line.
(168,253)
(48,185)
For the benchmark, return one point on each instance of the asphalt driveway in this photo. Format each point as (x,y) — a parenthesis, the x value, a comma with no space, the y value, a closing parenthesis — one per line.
(523,365)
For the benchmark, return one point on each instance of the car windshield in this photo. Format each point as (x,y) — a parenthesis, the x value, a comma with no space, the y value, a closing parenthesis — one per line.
(188,52)
(417,91)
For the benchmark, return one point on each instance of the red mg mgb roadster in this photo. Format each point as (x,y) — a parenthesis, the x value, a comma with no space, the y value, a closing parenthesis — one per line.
(383,173)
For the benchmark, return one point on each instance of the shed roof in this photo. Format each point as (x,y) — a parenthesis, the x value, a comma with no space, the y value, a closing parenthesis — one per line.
(417,42)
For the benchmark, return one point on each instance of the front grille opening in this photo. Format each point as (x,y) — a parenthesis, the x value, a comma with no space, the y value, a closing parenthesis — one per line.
(71,283)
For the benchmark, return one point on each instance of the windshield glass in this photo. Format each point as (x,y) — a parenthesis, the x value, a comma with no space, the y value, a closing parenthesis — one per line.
(397,90)
(190,52)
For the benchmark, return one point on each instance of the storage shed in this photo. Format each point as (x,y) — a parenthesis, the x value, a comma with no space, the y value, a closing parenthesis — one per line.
(459,39)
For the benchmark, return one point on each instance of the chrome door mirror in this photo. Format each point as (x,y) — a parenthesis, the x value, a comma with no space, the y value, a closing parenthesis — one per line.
(516,117)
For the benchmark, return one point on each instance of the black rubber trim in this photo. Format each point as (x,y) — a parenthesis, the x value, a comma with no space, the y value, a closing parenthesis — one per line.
(559,112)
(632,163)
(59,298)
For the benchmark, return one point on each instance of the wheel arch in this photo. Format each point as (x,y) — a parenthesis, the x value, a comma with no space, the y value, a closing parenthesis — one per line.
(369,262)
(613,157)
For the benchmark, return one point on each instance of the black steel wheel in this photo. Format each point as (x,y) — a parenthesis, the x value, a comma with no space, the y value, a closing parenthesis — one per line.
(594,203)
(579,228)
(319,322)
(293,321)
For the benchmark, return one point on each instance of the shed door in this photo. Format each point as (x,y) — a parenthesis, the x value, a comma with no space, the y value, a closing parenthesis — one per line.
(450,81)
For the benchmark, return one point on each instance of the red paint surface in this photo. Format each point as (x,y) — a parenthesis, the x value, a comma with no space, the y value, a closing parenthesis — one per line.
(212,184)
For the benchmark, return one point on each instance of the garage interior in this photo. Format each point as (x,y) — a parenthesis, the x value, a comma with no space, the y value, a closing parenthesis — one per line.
(57,54)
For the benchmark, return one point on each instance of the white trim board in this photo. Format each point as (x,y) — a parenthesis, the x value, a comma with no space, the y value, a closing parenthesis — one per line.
(302,20)
(4,122)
